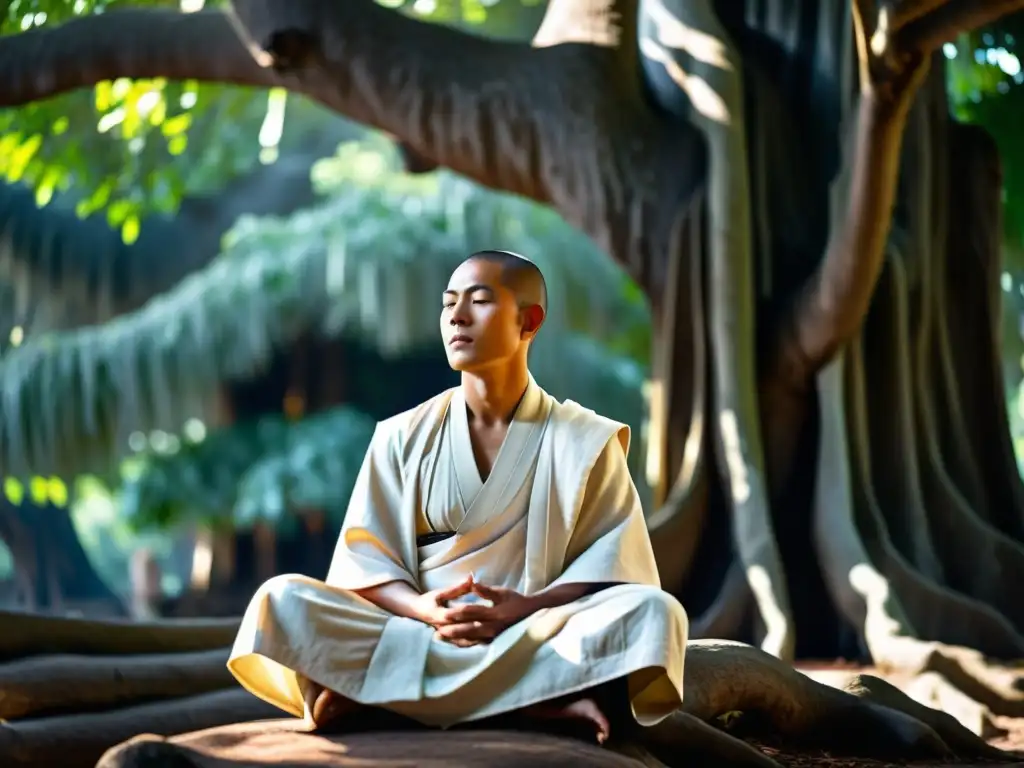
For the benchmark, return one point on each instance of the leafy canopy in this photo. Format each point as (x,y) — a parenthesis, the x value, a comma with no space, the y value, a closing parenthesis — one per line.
(985,76)
(132,147)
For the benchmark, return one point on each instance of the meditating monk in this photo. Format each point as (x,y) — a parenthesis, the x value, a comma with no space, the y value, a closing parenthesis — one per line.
(494,558)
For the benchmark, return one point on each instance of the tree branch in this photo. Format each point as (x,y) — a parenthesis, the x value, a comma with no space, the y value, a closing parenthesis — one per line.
(135,43)
(832,305)
(550,123)
(930,30)
(543,122)
(830,308)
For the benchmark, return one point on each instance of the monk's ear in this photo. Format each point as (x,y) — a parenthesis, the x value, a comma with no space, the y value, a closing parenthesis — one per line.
(533,318)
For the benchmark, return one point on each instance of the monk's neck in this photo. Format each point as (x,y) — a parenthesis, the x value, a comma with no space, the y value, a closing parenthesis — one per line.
(492,396)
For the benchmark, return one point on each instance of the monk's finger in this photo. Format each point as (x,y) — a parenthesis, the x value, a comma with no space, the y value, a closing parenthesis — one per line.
(461,589)
(470,630)
(494,594)
(461,614)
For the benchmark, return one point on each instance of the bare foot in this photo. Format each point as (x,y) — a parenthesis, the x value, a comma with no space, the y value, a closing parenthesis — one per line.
(324,707)
(330,707)
(579,709)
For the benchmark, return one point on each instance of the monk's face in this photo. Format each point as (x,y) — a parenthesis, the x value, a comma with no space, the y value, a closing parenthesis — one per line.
(481,324)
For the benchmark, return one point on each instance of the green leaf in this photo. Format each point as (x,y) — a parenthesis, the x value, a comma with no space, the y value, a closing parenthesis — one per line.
(21,156)
(130,229)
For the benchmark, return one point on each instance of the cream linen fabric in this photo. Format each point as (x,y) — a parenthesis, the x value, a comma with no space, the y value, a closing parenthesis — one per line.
(558,507)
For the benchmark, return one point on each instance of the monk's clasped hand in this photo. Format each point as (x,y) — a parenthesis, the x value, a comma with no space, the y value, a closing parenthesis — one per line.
(476,623)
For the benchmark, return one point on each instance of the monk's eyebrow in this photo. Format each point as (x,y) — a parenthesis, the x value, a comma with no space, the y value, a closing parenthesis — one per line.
(470,289)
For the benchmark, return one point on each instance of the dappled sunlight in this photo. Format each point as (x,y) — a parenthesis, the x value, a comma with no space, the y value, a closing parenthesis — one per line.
(674,34)
(682,49)
(874,588)
(654,469)
(774,618)
(702,96)
(565,23)
(738,471)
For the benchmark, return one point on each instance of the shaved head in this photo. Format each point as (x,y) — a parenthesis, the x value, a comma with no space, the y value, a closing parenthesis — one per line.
(491,310)
(520,275)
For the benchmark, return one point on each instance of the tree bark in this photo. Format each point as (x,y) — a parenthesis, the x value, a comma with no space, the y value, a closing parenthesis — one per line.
(89,683)
(79,740)
(28,634)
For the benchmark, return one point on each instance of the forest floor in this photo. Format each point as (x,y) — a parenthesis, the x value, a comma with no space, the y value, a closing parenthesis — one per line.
(1006,733)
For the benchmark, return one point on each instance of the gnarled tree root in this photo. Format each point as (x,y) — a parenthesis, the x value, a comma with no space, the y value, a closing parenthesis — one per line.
(78,740)
(870,719)
(958,738)
(65,683)
(27,634)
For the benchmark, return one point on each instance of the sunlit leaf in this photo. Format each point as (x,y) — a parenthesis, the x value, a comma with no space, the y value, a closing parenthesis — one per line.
(130,229)
(14,491)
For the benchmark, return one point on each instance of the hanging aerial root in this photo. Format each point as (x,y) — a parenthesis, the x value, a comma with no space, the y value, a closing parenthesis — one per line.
(679,406)
(957,515)
(874,587)
(714,85)
(934,611)
(725,616)
(931,517)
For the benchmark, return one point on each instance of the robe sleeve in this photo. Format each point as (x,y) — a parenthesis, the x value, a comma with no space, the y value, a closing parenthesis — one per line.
(375,534)
(609,541)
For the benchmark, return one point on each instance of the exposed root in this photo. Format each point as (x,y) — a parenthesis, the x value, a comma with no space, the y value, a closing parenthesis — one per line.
(78,741)
(637,752)
(998,687)
(870,719)
(958,738)
(28,634)
(726,677)
(678,406)
(83,683)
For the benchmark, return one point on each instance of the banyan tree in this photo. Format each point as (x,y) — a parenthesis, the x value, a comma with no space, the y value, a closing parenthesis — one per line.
(819,243)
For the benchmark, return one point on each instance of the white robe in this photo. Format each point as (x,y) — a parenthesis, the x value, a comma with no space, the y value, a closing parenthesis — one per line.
(558,507)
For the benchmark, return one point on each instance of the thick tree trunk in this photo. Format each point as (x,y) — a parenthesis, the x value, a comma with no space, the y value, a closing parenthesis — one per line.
(50,562)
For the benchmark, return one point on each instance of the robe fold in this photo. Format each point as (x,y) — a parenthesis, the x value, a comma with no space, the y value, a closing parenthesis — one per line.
(558,507)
